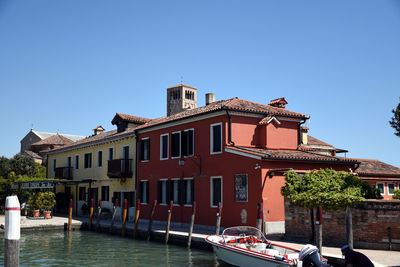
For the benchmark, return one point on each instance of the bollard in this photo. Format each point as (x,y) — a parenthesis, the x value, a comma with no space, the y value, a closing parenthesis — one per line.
(219,214)
(114,213)
(91,214)
(151,220)
(136,217)
(191,224)
(70,215)
(12,232)
(171,204)
(318,223)
(123,231)
(98,217)
(260,215)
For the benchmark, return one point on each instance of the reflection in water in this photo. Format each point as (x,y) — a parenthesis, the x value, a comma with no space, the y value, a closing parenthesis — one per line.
(93,249)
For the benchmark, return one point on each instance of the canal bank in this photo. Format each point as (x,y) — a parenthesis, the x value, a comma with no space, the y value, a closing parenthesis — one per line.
(179,236)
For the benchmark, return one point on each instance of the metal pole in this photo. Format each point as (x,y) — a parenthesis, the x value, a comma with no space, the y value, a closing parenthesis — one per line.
(98,217)
(349,227)
(260,213)
(12,232)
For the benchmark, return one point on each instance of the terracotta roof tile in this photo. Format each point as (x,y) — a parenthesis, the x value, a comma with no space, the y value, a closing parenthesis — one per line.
(130,118)
(376,167)
(281,154)
(233,104)
(56,139)
(316,142)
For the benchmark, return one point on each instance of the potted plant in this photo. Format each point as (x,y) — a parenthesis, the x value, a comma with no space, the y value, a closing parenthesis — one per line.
(33,204)
(46,200)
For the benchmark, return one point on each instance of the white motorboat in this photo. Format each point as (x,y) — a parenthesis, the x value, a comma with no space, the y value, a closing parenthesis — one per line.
(247,246)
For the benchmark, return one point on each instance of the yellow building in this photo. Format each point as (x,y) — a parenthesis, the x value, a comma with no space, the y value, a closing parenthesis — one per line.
(101,166)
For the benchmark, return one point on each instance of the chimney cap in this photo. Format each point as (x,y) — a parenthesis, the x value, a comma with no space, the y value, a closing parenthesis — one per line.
(279,102)
(98,130)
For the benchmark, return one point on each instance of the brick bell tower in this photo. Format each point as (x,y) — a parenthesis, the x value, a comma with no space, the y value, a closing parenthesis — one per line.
(180,97)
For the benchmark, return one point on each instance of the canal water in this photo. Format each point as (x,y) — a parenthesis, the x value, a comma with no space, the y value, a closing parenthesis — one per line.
(94,249)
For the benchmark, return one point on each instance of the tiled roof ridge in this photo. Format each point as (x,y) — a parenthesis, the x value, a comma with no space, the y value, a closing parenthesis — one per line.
(320,141)
(182,84)
(54,139)
(128,116)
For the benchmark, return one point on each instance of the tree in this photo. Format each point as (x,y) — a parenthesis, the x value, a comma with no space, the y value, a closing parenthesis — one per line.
(395,121)
(23,165)
(396,194)
(5,167)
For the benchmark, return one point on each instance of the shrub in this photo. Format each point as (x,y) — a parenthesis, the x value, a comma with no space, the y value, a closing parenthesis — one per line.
(46,200)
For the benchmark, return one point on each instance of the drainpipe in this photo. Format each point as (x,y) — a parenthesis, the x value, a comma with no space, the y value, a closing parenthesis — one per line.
(299,132)
(230,128)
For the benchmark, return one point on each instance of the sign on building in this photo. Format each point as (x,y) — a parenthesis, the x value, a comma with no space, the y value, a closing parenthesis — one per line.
(241,192)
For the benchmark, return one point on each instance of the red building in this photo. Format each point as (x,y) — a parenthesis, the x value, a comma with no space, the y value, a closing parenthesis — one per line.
(232,151)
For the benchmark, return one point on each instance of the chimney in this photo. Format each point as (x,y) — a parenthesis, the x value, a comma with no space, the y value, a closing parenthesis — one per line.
(98,130)
(278,103)
(210,98)
(304,135)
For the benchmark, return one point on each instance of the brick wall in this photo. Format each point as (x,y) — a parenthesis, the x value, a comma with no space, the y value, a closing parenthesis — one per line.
(371,221)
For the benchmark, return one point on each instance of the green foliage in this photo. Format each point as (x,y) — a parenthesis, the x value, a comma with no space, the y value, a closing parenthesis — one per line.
(5,167)
(395,121)
(46,200)
(396,194)
(327,188)
(40,171)
(23,165)
(33,201)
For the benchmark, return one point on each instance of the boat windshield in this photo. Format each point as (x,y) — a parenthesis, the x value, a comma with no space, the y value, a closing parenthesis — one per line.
(232,233)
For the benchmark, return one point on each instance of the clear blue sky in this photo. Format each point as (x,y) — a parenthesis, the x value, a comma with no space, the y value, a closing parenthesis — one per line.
(68,66)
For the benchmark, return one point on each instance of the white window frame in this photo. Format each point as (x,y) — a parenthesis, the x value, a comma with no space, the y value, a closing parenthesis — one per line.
(384,191)
(212,189)
(161,146)
(191,129)
(76,163)
(145,191)
(102,157)
(394,188)
(212,138)
(146,160)
(180,144)
(175,181)
(108,153)
(164,182)
(186,190)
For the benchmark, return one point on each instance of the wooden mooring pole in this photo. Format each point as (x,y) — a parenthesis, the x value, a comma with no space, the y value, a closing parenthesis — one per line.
(12,233)
(123,232)
(98,217)
(91,214)
(191,224)
(70,215)
(151,220)
(171,204)
(260,215)
(114,213)
(218,223)
(137,215)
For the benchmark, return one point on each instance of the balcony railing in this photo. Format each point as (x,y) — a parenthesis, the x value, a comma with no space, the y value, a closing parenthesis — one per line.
(63,173)
(120,168)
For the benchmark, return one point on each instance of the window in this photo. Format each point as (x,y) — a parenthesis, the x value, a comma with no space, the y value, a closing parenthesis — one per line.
(163,191)
(54,165)
(144,191)
(391,189)
(88,160)
(216,191)
(216,138)
(82,193)
(187,191)
(76,162)
(94,193)
(100,159)
(241,193)
(145,149)
(174,191)
(164,146)
(187,142)
(110,153)
(69,162)
(175,144)
(381,187)
(105,193)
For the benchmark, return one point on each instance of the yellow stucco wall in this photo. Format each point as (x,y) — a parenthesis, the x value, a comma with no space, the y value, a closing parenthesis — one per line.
(99,174)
